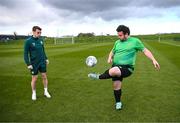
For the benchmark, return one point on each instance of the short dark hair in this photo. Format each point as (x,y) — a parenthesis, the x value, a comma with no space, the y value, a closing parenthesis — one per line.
(36,27)
(124,29)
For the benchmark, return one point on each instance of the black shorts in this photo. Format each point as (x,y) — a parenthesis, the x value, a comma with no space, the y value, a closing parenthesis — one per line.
(38,68)
(126,70)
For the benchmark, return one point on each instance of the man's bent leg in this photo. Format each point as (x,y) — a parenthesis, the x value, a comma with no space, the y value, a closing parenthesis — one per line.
(115,71)
(112,72)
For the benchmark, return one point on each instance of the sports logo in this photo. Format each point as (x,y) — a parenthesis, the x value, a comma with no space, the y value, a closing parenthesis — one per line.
(33,44)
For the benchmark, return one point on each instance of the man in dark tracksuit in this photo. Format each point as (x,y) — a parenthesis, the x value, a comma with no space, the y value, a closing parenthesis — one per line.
(36,60)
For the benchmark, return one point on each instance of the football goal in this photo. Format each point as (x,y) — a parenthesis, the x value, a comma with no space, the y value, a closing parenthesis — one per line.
(64,40)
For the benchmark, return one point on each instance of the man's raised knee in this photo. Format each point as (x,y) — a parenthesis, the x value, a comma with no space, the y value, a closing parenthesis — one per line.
(114,71)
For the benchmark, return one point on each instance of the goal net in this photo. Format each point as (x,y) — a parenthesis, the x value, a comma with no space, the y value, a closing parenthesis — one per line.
(64,40)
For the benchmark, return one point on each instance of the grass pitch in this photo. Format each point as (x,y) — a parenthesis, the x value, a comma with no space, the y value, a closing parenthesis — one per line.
(148,95)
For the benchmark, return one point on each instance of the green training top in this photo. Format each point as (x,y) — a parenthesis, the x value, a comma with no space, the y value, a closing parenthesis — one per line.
(34,51)
(125,51)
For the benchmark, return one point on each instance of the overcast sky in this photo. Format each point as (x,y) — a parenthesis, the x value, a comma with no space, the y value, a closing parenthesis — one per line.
(70,17)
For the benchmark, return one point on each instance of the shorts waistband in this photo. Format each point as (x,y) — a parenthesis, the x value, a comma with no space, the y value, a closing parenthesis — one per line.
(125,66)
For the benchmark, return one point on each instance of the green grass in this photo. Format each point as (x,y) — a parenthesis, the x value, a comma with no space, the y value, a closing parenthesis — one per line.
(148,95)
(169,49)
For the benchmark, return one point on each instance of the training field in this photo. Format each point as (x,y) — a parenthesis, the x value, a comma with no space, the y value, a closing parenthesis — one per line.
(148,95)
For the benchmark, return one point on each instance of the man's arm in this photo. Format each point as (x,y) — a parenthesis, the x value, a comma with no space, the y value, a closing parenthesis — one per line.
(47,61)
(110,57)
(26,53)
(44,53)
(151,57)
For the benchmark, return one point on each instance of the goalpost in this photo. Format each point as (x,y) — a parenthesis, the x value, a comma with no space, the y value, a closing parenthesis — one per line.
(64,40)
(159,37)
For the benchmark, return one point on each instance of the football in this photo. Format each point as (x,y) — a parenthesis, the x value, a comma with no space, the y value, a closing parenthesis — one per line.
(91,61)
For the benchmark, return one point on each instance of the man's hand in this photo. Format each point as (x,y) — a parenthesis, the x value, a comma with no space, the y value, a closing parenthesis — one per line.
(30,67)
(47,61)
(150,56)
(109,60)
(156,64)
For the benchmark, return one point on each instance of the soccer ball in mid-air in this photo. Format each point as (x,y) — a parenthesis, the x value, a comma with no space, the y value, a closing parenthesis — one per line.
(91,61)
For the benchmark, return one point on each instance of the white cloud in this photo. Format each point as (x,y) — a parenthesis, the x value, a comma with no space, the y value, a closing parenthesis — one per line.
(99,16)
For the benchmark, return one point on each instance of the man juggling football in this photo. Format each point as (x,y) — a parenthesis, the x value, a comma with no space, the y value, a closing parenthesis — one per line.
(36,60)
(123,57)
